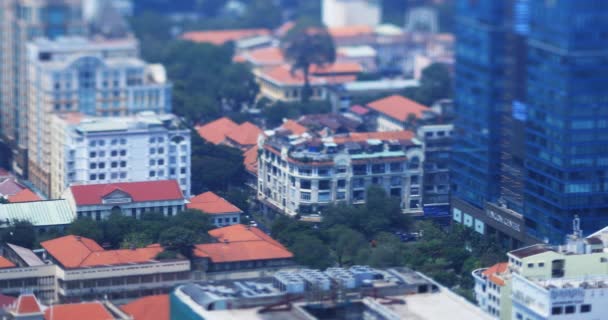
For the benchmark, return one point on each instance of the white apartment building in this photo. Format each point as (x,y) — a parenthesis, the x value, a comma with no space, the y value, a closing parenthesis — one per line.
(93,150)
(94,77)
(302,174)
(548,282)
(345,13)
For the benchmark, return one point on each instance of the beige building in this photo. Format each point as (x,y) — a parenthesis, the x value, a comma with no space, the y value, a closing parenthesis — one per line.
(20,22)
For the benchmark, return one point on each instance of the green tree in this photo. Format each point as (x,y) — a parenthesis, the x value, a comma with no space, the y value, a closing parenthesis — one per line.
(88,228)
(116,226)
(195,221)
(435,84)
(21,233)
(305,46)
(136,240)
(215,167)
(179,239)
(311,252)
(346,243)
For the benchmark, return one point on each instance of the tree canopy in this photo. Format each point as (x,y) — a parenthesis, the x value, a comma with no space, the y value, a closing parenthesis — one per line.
(307,45)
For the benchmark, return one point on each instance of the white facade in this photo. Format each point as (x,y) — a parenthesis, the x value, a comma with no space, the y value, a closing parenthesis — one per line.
(304,182)
(344,13)
(100,78)
(573,299)
(125,149)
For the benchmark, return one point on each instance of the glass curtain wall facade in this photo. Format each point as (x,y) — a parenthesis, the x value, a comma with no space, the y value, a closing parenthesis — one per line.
(567,118)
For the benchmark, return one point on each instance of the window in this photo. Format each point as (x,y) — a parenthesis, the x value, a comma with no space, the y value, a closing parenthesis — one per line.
(570,309)
(93,177)
(585,308)
(161,162)
(340,195)
(114,176)
(102,176)
(161,150)
(395,181)
(123,164)
(123,152)
(123,175)
(152,174)
(305,184)
(102,165)
(556,310)
(182,170)
(414,180)
(114,153)
(541,264)
(530,265)
(341,183)
(152,150)
(92,154)
(93,165)
(305,196)
(324,185)
(114,164)
(152,162)
(396,167)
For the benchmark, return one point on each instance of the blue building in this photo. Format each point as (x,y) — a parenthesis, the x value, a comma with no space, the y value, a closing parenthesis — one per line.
(532,128)
(567,117)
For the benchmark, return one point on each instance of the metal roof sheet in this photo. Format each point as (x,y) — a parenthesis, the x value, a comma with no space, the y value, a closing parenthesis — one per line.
(39,213)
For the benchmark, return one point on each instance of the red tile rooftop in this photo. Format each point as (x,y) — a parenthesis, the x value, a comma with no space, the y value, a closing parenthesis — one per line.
(359,110)
(398,107)
(294,127)
(80,252)
(144,191)
(282,75)
(493,273)
(217,130)
(384,136)
(271,56)
(250,160)
(149,308)
(211,203)
(219,37)
(246,134)
(350,31)
(5,263)
(241,243)
(25,195)
(27,304)
(78,311)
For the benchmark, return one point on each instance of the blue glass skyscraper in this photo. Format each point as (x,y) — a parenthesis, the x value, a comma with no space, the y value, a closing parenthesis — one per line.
(567,123)
(532,132)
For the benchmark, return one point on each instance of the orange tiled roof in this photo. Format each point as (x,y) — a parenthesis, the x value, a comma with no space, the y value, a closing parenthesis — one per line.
(217,130)
(384,136)
(25,195)
(250,160)
(493,273)
(5,263)
(219,37)
(350,31)
(282,75)
(337,67)
(211,203)
(78,311)
(270,56)
(246,134)
(78,252)
(398,107)
(27,304)
(148,308)
(294,127)
(241,243)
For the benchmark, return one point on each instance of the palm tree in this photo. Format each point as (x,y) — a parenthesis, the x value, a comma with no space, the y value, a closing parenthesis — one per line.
(307,45)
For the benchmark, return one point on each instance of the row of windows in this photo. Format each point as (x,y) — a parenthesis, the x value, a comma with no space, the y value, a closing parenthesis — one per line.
(103,176)
(113,153)
(585,308)
(113,164)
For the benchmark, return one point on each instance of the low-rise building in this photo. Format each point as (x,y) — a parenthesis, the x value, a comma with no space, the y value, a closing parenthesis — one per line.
(301,174)
(45,215)
(98,201)
(239,248)
(148,308)
(86,271)
(227,132)
(280,84)
(221,37)
(548,282)
(389,294)
(222,212)
(396,113)
(91,150)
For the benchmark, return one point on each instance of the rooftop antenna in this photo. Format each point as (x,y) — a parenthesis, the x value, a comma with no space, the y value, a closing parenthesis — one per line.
(576,227)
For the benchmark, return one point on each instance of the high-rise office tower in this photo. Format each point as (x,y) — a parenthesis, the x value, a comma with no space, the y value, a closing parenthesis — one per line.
(532,125)
(21,21)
